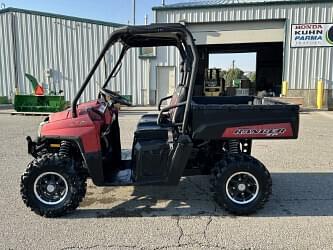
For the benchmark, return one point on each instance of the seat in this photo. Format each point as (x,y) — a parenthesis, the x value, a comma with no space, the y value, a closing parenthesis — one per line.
(151,133)
(148,120)
(175,115)
(148,129)
(148,117)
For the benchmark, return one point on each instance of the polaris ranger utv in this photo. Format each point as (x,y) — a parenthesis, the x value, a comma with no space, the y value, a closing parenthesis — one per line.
(191,135)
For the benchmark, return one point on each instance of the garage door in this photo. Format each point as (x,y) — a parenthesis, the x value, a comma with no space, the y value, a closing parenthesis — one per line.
(238,32)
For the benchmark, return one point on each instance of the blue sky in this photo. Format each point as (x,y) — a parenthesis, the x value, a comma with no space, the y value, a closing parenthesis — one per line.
(120,11)
(244,61)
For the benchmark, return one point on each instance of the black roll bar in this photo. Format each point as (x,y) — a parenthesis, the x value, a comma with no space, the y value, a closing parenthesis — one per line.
(122,53)
(139,36)
(194,53)
(92,71)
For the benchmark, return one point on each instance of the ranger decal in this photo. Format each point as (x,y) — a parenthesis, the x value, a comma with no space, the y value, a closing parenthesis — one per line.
(266,132)
(280,130)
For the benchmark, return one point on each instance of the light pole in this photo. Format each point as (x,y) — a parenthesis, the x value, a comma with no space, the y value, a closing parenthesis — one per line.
(146,19)
(133,1)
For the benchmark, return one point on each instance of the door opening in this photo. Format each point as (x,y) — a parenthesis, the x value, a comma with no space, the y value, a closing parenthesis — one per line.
(260,65)
(166,80)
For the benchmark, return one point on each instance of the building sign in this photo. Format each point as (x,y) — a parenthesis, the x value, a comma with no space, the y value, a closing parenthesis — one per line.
(312,35)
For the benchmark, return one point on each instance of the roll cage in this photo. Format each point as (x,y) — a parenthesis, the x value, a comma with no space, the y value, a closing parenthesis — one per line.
(154,35)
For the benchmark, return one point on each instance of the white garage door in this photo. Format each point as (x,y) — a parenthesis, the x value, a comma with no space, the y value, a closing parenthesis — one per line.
(238,32)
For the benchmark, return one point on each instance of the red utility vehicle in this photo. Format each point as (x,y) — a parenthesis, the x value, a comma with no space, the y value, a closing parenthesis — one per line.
(192,135)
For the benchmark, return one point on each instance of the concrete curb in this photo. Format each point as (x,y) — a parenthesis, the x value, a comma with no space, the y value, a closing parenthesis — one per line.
(6,106)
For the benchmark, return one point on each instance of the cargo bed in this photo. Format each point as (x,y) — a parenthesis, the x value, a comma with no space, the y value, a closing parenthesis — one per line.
(243,117)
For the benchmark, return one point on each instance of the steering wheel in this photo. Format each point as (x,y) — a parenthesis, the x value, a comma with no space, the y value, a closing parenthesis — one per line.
(115,96)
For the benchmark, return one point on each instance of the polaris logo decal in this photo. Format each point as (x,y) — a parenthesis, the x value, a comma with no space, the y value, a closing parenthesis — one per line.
(265,132)
(279,130)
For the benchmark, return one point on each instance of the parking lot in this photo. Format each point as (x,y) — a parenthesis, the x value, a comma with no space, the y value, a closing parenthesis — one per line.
(299,214)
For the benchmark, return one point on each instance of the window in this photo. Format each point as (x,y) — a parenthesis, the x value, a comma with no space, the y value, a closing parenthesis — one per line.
(147,52)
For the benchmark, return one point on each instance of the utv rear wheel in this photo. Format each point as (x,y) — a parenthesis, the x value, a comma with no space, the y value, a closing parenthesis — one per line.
(51,187)
(241,184)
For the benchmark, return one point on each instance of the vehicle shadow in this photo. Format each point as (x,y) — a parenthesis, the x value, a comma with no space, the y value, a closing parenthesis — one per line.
(294,194)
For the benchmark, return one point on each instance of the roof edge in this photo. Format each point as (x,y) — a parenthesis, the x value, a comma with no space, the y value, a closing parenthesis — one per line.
(249,4)
(71,18)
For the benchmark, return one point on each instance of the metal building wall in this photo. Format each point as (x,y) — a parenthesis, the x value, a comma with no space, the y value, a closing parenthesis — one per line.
(7,76)
(302,66)
(67,46)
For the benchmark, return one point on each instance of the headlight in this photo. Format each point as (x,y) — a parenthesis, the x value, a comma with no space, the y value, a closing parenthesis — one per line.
(40,128)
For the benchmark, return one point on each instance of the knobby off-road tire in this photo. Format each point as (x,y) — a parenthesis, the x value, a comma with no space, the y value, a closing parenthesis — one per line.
(241,184)
(51,187)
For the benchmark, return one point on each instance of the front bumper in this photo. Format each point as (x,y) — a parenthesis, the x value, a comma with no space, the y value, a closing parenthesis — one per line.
(34,147)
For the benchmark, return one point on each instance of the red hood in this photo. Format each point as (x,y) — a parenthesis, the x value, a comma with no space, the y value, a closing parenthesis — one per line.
(86,126)
(66,114)
(60,115)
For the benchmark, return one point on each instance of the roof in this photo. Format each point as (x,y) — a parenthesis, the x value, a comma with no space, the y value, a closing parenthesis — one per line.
(233,3)
(70,18)
(152,35)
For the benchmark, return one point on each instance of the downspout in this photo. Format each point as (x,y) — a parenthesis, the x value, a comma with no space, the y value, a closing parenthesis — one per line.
(14,44)
(286,46)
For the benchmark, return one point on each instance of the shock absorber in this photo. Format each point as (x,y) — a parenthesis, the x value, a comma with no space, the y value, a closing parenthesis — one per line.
(233,146)
(65,148)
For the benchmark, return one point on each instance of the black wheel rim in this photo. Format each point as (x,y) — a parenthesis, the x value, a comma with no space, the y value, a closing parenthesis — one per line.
(242,188)
(50,188)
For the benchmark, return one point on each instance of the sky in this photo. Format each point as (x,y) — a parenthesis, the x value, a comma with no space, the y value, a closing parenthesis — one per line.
(120,11)
(244,61)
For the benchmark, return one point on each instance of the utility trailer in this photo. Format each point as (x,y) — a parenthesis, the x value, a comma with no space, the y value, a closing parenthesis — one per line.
(191,135)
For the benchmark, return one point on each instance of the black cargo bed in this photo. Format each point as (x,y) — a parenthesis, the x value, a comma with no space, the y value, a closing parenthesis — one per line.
(243,117)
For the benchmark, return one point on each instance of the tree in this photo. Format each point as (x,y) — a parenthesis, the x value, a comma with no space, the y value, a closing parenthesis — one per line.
(252,76)
(233,74)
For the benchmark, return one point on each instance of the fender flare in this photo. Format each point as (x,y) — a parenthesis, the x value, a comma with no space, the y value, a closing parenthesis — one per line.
(92,160)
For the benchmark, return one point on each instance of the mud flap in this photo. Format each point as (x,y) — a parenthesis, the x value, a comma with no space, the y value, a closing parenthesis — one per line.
(180,157)
(150,162)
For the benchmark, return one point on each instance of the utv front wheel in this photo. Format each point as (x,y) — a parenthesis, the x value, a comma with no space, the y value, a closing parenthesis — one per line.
(241,184)
(51,187)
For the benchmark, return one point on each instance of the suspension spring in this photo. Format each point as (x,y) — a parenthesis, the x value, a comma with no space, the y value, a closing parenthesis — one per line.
(233,146)
(65,148)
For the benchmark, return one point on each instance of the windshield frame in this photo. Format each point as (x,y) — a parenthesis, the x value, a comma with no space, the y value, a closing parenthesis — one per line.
(115,67)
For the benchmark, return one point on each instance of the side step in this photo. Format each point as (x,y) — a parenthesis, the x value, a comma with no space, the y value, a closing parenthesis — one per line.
(122,177)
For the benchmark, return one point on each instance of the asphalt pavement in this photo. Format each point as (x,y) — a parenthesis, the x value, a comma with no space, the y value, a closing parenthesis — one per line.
(299,214)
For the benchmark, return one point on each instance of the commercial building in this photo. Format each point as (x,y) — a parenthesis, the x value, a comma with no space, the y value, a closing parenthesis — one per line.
(293,40)
(59,51)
